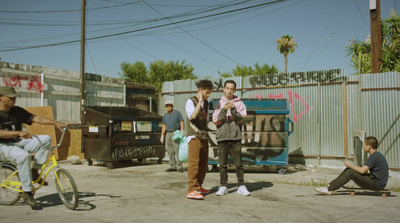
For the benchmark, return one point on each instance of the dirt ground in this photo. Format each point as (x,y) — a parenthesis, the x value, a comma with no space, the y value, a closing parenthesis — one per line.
(144,192)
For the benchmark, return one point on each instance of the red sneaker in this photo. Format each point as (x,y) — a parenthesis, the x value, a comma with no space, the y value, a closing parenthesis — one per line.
(204,191)
(195,195)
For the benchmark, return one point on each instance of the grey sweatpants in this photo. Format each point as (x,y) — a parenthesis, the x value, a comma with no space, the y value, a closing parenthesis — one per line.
(19,154)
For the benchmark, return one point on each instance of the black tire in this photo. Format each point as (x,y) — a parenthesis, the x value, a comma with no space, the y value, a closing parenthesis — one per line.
(7,195)
(67,189)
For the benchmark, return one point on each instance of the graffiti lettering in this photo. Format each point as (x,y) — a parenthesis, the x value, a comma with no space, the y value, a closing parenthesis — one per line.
(291,102)
(14,80)
(130,140)
(296,78)
(218,85)
(136,152)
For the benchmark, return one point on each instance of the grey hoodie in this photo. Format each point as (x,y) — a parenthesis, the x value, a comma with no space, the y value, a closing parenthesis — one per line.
(228,121)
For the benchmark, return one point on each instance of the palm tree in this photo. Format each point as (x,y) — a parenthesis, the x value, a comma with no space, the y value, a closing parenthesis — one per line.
(360,52)
(286,45)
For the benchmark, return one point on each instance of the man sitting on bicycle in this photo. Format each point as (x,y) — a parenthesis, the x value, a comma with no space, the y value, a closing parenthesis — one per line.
(16,145)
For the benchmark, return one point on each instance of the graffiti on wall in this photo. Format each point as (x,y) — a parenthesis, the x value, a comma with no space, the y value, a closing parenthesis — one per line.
(16,80)
(293,96)
(296,78)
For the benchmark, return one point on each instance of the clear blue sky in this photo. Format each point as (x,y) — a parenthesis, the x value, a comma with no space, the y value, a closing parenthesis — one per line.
(189,30)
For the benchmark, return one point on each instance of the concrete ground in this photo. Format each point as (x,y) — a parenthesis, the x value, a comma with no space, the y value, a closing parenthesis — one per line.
(144,192)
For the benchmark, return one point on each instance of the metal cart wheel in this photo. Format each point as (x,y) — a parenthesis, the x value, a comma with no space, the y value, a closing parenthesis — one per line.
(89,162)
(281,170)
(109,165)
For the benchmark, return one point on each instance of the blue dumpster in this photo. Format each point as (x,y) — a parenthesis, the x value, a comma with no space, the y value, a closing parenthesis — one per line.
(265,133)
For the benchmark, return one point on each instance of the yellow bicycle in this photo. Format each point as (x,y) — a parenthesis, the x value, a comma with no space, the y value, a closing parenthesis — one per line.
(11,190)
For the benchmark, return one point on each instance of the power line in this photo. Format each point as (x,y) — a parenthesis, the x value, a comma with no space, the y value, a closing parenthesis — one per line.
(361,14)
(330,38)
(138,48)
(194,37)
(320,37)
(190,13)
(147,28)
(68,10)
(183,49)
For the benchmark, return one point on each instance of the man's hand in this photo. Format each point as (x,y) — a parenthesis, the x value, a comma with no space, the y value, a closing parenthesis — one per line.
(229,105)
(162,139)
(347,163)
(61,125)
(200,96)
(24,135)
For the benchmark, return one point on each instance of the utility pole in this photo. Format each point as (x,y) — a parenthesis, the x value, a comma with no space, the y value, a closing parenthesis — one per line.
(376,35)
(82,72)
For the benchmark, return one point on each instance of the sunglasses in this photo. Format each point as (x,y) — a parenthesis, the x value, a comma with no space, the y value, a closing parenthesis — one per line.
(168,105)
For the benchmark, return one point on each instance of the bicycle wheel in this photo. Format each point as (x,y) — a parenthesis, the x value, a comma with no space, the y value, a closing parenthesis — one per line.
(8,196)
(66,188)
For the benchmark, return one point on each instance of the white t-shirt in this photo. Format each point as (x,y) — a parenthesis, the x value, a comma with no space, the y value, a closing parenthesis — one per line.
(189,111)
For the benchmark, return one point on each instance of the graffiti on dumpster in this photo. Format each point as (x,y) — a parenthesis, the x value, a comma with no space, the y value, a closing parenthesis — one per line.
(15,80)
(129,140)
(134,152)
(263,137)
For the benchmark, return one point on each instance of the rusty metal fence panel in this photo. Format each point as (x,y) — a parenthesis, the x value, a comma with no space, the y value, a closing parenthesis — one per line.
(380,103)
(60,89)
(326,107)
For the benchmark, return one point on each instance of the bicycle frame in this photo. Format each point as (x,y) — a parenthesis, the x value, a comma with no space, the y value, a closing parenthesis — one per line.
(65,184)
(17,184)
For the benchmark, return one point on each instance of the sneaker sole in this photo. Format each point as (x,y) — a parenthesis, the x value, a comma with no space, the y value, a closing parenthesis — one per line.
(323,192)
(243,193)
(196,198)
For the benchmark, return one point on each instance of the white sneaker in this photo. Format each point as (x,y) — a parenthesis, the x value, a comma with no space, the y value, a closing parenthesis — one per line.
(323,190)
(243,191)
(222,191)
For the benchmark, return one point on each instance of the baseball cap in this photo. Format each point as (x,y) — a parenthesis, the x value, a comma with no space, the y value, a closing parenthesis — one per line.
(8,91)
(169,103)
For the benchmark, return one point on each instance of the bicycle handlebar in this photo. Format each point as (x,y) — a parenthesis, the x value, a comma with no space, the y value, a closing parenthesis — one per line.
(64,130)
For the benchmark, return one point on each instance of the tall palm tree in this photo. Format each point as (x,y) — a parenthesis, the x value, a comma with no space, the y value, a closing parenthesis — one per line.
(286,45)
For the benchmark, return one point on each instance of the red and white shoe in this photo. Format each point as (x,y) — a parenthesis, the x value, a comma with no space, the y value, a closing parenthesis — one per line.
(195,195)
(204,191)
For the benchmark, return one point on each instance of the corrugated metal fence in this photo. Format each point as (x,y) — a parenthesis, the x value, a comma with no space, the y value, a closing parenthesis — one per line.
(326,108)
(60,89)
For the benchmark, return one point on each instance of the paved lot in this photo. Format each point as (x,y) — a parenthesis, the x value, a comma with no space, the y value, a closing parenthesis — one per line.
(137,192)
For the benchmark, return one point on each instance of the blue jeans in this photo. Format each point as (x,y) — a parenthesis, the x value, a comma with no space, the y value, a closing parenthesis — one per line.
(18,153)
(235,149)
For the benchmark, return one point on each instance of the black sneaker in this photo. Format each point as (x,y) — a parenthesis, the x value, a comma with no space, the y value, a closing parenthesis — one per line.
(35,175)
(30,200)
(170,170)
(181,170)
